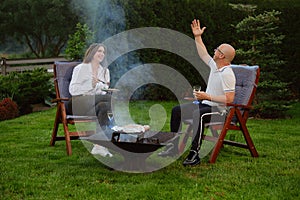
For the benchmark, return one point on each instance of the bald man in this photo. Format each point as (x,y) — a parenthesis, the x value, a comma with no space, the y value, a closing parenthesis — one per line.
(220,90)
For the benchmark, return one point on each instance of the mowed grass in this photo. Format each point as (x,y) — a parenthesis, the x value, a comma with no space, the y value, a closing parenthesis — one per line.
(31,169)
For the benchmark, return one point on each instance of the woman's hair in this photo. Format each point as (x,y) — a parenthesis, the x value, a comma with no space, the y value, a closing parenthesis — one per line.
(91,51)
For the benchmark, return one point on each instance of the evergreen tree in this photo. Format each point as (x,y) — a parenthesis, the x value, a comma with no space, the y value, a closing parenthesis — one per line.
(260,44)
(78,42)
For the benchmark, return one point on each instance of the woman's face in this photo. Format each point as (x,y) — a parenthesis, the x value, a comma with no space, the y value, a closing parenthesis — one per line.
(99,55)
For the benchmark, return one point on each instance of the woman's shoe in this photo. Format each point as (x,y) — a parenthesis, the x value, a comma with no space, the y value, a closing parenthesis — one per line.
(100,150)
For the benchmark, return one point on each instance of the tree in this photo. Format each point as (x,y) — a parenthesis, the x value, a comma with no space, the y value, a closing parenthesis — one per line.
(42,25)
(260,44)
(77,42)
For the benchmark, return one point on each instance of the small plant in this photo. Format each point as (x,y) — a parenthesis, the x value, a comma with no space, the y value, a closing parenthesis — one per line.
(77,42)
(8,109)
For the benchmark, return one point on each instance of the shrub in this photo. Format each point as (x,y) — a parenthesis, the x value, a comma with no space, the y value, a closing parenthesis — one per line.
(26,88)
(8,109)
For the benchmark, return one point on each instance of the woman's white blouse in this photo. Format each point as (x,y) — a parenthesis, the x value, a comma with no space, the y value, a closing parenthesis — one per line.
(82,78)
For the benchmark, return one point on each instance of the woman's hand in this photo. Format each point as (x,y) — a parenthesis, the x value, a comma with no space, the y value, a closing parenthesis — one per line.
(100,86)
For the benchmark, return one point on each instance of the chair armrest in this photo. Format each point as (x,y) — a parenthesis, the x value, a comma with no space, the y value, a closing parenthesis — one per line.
(239,106)
(59,100)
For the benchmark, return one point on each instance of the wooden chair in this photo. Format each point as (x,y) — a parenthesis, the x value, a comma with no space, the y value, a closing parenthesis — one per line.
(62,77)
(237,115)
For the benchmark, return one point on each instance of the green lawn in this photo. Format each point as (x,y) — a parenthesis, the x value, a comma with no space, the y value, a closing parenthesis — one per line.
(31,169)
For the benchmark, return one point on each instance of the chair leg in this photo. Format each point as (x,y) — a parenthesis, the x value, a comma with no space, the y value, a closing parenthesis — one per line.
(247,137)
(183,143)
(55,128)
(221,137)
(68,139)
(214,133)
(218,146)
(66,131)
(187,134)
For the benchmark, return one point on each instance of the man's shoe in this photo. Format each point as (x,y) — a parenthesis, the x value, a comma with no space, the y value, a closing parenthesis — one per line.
(170,151)
(192,159)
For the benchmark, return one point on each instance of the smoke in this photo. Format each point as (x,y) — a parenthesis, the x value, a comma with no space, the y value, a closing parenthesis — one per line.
(128,73)
(106,18)
(103,17)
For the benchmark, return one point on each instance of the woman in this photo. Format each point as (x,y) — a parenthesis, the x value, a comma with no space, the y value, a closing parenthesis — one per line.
(86,87)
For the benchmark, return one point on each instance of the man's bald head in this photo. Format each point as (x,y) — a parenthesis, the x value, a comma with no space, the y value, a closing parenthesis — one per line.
(228,51)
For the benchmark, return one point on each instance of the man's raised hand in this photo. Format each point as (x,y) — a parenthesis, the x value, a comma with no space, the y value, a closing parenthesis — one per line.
(197,31)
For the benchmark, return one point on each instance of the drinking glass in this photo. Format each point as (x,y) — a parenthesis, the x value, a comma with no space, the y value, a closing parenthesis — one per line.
(110,118)
(196,88)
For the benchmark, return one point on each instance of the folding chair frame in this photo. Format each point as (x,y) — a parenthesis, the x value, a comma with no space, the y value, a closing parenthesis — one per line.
(219,130)
(61,117)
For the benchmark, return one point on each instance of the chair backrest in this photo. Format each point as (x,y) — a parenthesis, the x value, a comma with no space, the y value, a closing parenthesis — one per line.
(245,87)
(62,77)
(246,83)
